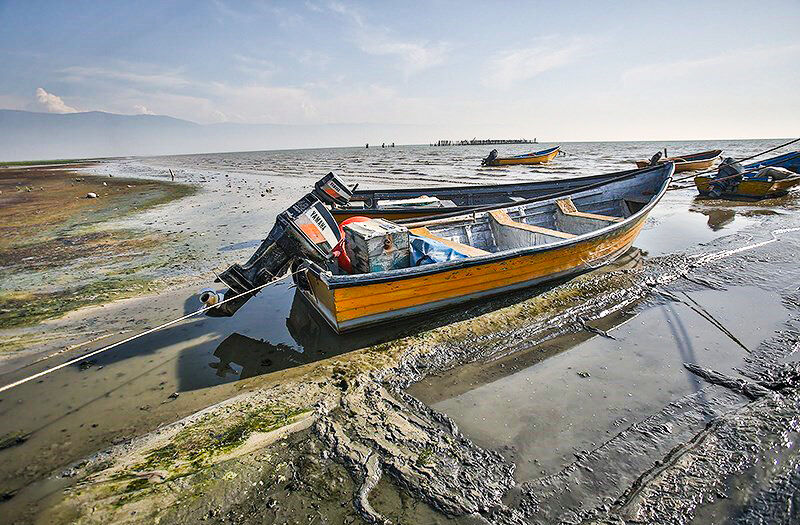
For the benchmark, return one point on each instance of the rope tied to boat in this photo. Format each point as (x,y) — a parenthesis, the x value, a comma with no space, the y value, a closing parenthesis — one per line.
(204,309)
(678,179)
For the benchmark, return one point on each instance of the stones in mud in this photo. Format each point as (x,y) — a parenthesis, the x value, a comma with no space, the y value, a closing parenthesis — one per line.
(91,195)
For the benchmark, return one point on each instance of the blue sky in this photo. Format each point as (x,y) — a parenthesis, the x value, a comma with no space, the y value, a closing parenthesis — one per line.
(559,71)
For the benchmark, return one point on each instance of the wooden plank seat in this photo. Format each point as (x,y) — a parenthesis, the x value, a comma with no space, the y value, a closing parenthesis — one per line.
(466,249)
(502,218)
(567,207)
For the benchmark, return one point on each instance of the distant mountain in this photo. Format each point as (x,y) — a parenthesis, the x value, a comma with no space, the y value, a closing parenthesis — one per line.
(26,135)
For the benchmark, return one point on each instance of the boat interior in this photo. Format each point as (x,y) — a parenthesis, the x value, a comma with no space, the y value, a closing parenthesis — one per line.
(539,223)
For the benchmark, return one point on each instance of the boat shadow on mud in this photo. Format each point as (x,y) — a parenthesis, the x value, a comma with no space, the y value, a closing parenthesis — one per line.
(278,330)
(303,337)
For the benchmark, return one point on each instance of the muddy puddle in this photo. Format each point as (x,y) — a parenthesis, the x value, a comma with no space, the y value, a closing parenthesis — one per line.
(542,416)
(671,229)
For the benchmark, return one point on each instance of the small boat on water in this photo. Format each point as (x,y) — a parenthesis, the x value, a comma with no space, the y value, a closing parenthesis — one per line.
(406,203)
(538,157)
(760,180)
(434,263)
(691,162)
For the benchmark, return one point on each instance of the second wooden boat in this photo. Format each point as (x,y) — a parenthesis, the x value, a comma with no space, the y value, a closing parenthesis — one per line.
(759,183)
(538,157)
(407,203)
(500,250)
(690,162)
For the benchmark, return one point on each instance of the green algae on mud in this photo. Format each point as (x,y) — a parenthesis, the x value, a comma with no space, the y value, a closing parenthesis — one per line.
(201,442)
(182,468)
(117,489)
(51,233)
(18,309)
(23,163)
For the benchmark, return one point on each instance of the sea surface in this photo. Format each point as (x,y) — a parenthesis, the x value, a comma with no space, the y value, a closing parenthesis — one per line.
(424,165)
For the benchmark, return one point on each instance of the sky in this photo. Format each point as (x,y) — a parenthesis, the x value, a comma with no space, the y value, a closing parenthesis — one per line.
(562,71)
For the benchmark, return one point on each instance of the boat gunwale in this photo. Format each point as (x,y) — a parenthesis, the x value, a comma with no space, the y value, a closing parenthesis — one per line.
(542,153)
(695,157)
(490,188)
(679,160)
(346,281)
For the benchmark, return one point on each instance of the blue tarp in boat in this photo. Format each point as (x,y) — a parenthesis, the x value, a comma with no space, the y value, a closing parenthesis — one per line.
(429,251)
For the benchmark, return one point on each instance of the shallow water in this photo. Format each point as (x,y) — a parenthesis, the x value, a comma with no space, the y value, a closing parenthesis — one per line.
(543,415)
(427,165)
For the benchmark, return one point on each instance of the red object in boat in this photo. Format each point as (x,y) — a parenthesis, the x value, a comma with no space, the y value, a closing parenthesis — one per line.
(339,251)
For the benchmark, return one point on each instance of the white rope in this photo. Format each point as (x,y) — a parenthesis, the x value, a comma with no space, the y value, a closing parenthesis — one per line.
(704,259)
(131,338)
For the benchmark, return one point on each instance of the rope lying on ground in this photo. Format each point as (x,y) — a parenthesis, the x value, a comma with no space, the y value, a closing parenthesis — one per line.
(141,334)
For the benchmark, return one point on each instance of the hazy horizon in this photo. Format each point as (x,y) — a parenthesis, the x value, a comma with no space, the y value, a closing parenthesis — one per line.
(421,72)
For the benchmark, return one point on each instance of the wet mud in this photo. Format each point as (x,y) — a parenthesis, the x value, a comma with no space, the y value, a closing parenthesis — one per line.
(661,389)
(59,249)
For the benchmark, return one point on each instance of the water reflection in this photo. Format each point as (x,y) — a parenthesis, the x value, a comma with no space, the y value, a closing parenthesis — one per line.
(311,339)
(670,229)
(718,218)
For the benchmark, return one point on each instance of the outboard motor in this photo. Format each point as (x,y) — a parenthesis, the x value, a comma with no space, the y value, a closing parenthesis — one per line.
(655,158)
(307,229)
(727,178)
(488,161)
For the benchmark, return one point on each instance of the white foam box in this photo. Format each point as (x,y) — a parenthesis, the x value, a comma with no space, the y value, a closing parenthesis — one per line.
(376,245)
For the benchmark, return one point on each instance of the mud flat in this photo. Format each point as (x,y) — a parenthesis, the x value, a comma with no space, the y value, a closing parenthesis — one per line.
(60,250)
(671,372)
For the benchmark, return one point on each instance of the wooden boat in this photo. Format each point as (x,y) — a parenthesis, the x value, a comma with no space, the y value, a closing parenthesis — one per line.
(397,204)
(538,157)
(758,186)
(691,162)
(506,248)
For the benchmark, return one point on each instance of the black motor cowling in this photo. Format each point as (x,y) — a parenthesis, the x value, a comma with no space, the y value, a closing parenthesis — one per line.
(727,178)
(307,229)
(655,158)
(489,161)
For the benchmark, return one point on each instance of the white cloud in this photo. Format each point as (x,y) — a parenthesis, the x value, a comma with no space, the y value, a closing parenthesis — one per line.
(516,65)
(127,73)
(52,103)
(142,110)
(313,58)
(262,103)
(255,67)
(738,61)
(413,55)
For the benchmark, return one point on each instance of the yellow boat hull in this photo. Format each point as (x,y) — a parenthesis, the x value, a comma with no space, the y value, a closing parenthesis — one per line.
(362,305)
(751,189)
(541,159)
(696,165)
